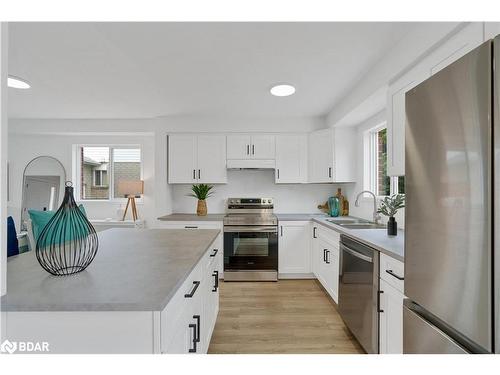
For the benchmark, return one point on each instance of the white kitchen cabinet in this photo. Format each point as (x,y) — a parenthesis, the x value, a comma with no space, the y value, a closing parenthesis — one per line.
(256,146)
(291,158)
(332,155)
(294,255)
(458,45)
(196,159)
(326,259)
(391,319)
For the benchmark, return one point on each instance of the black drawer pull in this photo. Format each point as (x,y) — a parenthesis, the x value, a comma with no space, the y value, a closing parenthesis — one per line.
(214,253)
(327,260)
(190,227)
(216,284)
(193,349)
(379,310)
(198,325)
(391,272)
(314,232)
(324,255)
(190,295)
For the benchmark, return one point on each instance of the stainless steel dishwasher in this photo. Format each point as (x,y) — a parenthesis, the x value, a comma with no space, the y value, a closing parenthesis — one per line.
(358,291)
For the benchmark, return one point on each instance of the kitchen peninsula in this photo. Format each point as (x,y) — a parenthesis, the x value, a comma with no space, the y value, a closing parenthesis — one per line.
(151,282)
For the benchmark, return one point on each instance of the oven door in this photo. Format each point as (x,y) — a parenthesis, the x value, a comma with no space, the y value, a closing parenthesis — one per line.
(250,248)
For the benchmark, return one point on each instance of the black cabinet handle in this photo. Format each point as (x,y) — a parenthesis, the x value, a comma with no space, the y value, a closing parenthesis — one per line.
(391,272)
(330,172)
(248,149)
(378,301)
(253,149)
(198,325)
(193,349)
(281,230)
(327,257)
(216,285)
(278,171)
(190,227)
(193,291)
(324,255)
(194,174)
(199,174)
(314,232)
(214,253)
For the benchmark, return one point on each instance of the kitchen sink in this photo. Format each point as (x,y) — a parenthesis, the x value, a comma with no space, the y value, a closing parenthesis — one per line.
(362,226)
(347,221)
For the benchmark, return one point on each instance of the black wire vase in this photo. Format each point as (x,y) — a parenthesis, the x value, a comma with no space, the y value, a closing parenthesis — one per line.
(68,243)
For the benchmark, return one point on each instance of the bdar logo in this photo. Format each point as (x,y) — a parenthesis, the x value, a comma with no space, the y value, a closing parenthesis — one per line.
(8,347)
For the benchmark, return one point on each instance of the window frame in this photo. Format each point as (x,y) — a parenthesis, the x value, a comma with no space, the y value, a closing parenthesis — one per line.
(77,170)
(371,162)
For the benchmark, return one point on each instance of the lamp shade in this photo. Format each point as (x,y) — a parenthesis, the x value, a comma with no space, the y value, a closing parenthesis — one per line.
(130,188)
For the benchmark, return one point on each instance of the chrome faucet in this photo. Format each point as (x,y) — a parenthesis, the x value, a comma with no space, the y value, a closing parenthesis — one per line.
(376,216)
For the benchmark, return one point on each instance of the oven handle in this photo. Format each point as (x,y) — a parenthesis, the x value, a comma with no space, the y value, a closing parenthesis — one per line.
(356,254)
(258,229)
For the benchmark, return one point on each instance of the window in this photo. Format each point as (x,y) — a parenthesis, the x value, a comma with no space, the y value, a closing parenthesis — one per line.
(376,176)
(101,168)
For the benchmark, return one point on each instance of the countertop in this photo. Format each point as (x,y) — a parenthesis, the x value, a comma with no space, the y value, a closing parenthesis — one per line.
(192,217)
(134,270)
(376,238)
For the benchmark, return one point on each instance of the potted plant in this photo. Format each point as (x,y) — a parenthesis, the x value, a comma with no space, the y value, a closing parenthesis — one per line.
(389,206)
(202,192)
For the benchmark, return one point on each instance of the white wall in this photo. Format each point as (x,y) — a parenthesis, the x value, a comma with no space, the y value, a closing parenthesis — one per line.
(288,198)
(23,148)
(365,209)
(3,158)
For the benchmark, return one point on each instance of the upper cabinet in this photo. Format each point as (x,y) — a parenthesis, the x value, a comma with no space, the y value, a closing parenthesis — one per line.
(457,46)
(251,147)
(291,158)
(197,159)
(332,155)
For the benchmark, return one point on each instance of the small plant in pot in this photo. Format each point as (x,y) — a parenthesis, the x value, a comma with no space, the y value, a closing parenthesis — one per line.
(202,192)
(389,206)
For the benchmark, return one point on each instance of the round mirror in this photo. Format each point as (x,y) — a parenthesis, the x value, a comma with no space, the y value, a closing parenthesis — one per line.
(43,186)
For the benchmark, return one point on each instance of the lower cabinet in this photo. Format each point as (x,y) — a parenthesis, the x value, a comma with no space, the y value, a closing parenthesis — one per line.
(326,261)
(391,289)
(187,322)
(294,255)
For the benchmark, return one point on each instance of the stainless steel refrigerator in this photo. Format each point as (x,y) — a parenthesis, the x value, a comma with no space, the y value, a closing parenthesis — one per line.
(452,225)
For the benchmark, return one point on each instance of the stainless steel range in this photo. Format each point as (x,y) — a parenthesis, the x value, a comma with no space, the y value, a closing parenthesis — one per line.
(250,240)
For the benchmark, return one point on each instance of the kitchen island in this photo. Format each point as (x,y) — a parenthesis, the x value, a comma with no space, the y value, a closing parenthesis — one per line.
(141,287)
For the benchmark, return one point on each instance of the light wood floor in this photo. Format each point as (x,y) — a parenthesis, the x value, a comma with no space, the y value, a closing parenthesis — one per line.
(289,316)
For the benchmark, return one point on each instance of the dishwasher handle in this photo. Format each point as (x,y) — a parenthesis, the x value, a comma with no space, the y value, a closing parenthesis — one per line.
(356,254)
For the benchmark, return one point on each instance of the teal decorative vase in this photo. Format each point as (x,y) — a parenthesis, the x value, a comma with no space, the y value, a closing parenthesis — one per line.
(334,206)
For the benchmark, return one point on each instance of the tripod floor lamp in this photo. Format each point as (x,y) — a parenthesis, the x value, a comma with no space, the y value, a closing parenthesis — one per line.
(131,190)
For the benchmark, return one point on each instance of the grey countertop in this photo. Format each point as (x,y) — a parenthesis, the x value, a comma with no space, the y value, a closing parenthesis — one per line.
(300,217)
(192,217)
(377,238)
(134,270)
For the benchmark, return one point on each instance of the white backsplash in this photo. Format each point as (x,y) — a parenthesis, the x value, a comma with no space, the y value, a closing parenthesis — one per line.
(288,198)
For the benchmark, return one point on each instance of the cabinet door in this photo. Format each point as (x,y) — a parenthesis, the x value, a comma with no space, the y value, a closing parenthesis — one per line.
(332,271)
(315,251)
(391,319)
(181,159)
(396,119)
(263,147)
(294,250)
(211,159)
(291,159)
(238,146)
(322,249)
(320,149)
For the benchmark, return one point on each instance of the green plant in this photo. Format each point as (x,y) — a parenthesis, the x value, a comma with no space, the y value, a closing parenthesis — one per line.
(201,191)
(390,205)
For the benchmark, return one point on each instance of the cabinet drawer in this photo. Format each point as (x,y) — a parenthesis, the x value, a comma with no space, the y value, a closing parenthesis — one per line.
(392,271)
(329,235)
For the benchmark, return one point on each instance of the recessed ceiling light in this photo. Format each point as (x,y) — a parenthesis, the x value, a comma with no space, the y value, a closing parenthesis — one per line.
(282,90)
(17,83)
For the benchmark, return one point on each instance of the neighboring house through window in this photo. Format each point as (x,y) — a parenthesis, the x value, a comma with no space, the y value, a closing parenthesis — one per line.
(100,168)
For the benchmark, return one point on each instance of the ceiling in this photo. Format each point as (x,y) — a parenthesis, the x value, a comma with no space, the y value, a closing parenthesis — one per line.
(147,70)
